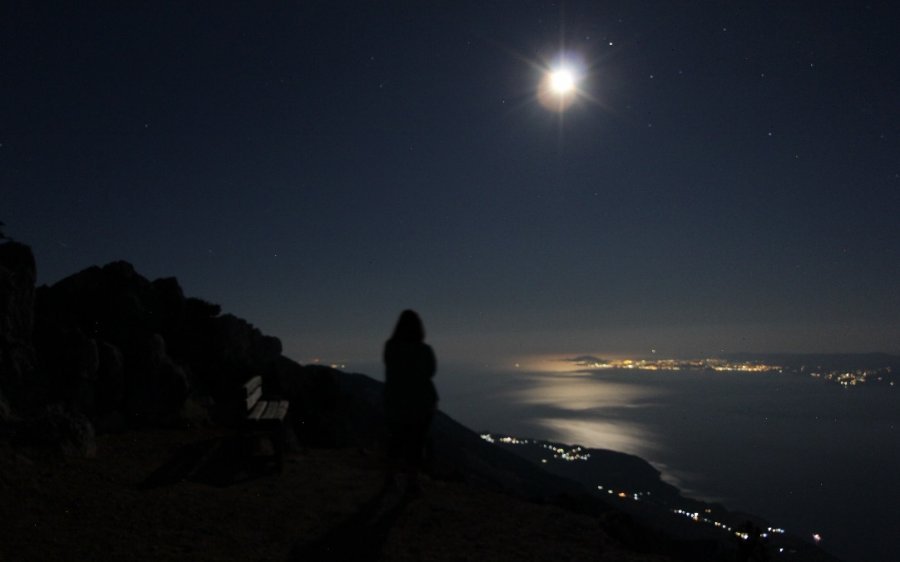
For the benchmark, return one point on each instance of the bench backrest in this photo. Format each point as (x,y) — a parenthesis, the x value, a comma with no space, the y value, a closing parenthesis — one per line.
(252,392)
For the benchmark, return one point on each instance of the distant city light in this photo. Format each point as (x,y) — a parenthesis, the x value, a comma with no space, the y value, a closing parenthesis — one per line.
(573,453)
(843,377)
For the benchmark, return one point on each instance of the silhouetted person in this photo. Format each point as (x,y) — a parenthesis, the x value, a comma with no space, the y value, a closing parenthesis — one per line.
(410,398)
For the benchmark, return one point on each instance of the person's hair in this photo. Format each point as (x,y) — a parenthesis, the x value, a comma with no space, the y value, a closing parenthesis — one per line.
(409,327)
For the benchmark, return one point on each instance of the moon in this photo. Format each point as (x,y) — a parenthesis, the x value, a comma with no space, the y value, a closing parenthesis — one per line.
(562,81)
(559,88)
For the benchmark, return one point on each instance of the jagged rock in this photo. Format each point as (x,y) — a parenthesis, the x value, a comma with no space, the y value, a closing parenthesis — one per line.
(5,411)
(18,273)
(112,303)
(60,429)
(244,346)
(169,306)
(199,308)
(84,362)
(108,340)
(157,386)
(110,378)
(129,369)
(68,363)
(17,277)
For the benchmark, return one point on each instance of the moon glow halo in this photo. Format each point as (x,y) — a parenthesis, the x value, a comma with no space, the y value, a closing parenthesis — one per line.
(562,81)
(559,88)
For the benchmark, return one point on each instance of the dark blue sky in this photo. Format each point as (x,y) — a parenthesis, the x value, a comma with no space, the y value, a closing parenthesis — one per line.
(729,179)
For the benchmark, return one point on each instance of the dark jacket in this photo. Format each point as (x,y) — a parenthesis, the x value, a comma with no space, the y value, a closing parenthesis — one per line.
(409,368)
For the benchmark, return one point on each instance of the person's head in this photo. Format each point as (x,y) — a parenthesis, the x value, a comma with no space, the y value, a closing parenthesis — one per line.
(409,327)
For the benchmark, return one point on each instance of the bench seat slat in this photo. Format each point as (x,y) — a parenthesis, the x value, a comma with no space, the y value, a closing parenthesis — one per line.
(254,398)
(251,385)
(275,410)
(257,410)
(268,415)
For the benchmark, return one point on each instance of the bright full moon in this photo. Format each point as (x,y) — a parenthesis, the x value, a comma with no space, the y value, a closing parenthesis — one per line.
(559,88)
(562,81)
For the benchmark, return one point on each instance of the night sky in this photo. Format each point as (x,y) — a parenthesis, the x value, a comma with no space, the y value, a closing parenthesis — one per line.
(727,178)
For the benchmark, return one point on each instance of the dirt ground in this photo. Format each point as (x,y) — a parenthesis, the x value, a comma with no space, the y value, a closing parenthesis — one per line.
(142,498)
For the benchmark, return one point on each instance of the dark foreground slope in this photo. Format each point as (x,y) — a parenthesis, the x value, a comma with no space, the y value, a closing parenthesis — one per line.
(101,509)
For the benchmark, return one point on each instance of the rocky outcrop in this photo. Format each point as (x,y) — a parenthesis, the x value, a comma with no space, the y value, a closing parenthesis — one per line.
(100,348)
(61,430)
(110,342)
(17,279)
(5,411)
(110,382)
(109,346)
(157,385)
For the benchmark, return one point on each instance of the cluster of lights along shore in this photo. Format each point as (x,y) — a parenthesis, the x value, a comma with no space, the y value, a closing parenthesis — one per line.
(845,378)
(576,453)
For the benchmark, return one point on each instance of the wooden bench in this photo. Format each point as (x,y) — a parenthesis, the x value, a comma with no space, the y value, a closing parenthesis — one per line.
(266,416)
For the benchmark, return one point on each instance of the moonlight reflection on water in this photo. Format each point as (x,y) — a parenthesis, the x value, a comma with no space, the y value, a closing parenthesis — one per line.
(574,408)
(788,447)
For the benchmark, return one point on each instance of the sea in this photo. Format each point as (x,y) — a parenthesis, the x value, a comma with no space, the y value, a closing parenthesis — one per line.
(808,455)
